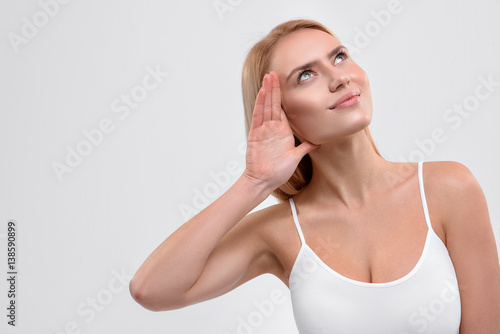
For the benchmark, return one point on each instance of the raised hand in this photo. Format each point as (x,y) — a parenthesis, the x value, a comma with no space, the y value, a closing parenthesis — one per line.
(271,156)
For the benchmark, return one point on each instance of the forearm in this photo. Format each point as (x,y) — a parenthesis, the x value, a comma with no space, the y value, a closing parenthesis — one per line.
(177,262)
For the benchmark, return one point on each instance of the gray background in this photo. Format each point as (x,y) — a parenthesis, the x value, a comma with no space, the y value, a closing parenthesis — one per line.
(128,194)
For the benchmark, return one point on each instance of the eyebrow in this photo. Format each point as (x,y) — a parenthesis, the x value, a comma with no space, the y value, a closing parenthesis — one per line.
(314,62)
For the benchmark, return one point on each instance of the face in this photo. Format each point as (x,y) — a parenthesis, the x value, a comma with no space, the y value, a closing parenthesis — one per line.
(308,94)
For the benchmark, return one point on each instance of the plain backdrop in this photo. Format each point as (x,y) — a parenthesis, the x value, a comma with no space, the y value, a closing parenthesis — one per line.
(68,69)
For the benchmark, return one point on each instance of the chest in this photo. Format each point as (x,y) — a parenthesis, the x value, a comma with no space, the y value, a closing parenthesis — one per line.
(382,243)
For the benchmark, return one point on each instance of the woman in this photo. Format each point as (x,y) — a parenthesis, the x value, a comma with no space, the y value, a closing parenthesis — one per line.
(361,245)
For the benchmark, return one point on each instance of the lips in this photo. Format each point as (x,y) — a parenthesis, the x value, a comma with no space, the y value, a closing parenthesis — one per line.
(345,97)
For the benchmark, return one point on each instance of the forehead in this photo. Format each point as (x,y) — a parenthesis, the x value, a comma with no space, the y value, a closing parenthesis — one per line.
(301,47)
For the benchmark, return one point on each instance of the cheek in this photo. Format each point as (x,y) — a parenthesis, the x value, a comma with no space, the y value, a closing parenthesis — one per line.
(304,113)
(361,79)
(300,104)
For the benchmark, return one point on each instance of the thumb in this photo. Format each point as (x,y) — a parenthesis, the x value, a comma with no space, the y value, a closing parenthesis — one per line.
(305,148)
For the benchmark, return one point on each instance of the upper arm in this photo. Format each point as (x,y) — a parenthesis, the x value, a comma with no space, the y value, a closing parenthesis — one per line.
(471,245)
(240,255)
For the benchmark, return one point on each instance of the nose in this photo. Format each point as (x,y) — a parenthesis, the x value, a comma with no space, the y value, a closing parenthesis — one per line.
(337,79)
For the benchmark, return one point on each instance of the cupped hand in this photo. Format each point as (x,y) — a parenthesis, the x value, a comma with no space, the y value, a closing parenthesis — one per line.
(271,156)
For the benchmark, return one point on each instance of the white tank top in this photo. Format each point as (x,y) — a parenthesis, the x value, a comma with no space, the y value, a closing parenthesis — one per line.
(426,300)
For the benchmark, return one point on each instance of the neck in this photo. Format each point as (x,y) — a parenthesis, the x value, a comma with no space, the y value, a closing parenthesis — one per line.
(347,169)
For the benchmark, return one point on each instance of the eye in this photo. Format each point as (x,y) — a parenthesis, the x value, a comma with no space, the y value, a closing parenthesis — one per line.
(307,73)
(341,55)
(302,75)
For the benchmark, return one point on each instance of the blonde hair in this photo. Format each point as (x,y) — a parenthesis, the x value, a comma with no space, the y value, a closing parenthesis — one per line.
(256,65)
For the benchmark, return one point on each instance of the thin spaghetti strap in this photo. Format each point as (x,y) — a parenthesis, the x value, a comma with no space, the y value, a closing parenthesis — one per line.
(422,195)
(296,221)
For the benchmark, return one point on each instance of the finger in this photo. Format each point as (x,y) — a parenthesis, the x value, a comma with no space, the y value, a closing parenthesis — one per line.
(304,148)
(267,101)
(275,97)
(258,110)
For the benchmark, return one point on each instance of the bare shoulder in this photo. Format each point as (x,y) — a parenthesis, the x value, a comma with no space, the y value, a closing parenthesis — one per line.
(452,173)
(269,228)
(266,220)
(449,179)
(451,188)
(470,242)
(273,225)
